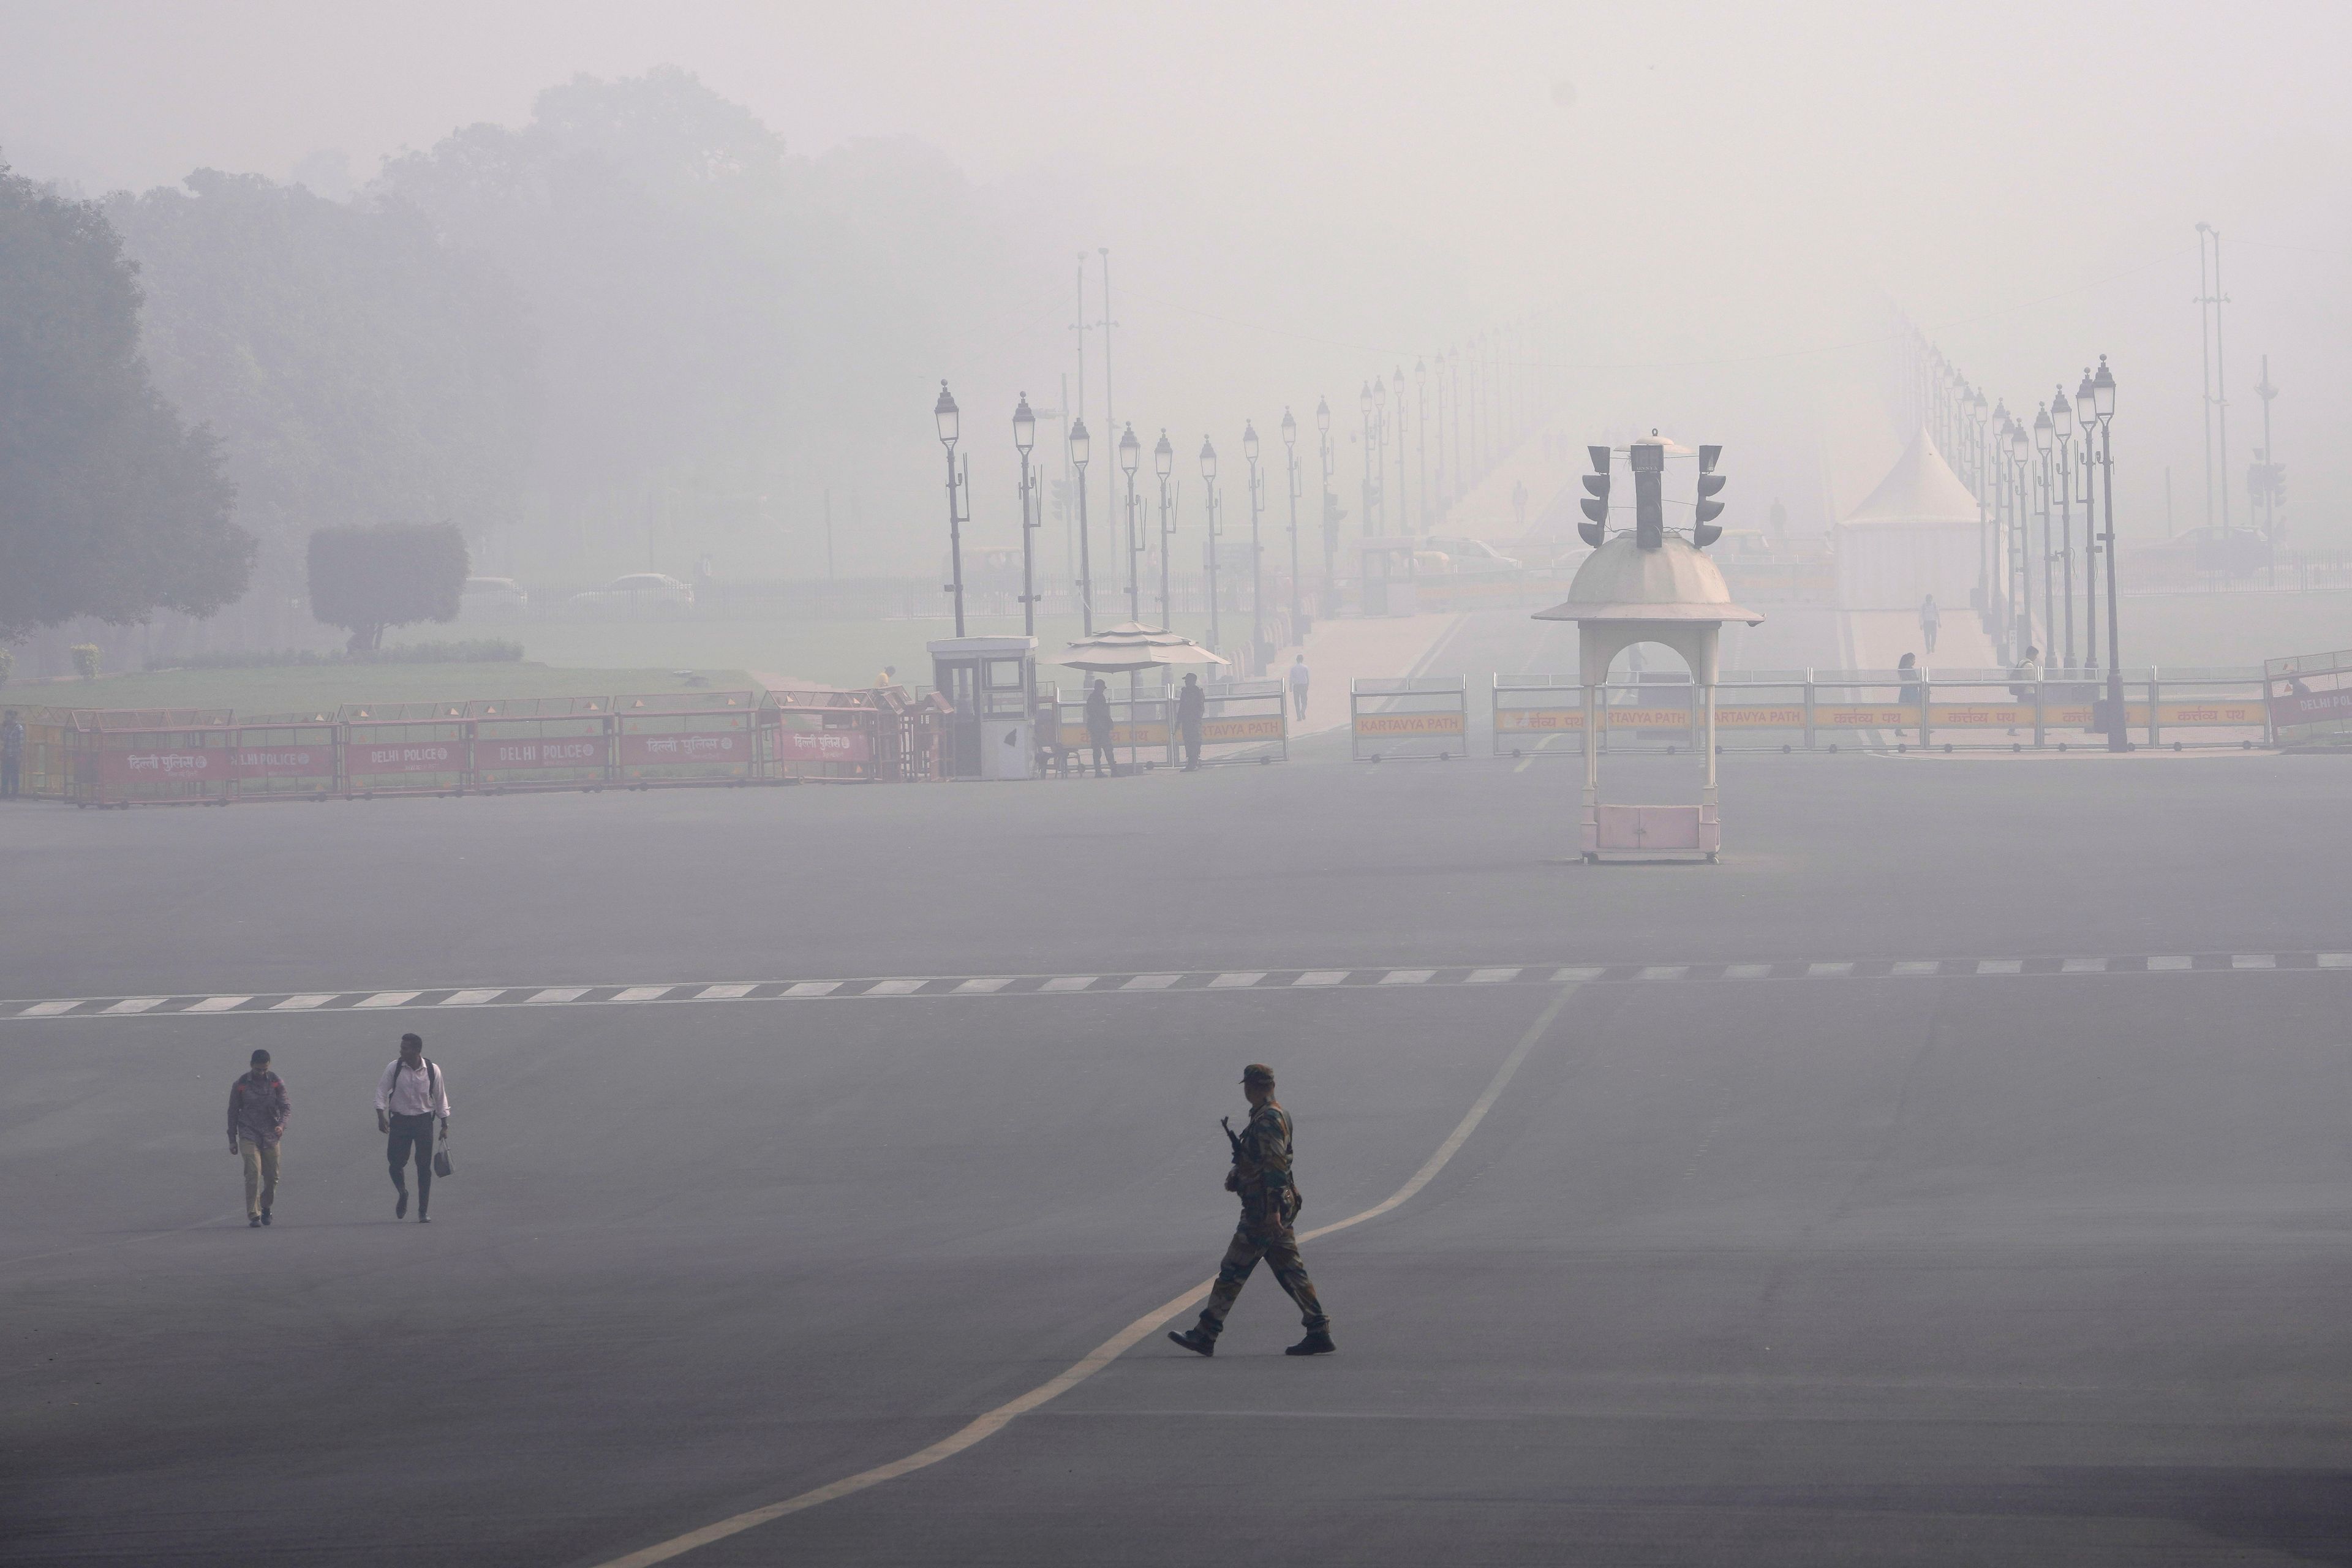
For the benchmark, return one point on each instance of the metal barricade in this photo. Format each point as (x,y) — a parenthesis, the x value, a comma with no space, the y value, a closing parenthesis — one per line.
(541,743)
(149,756)
(406,748)
(822,735)
(1138,725)
(687,738)
(1411,718)
(295,758)
(2309,699)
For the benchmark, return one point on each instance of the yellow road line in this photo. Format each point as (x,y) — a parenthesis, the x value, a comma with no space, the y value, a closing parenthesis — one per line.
(1103,1355)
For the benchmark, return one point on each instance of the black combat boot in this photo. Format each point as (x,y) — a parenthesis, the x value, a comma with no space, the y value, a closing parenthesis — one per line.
(1196,1339)
(1317,1342)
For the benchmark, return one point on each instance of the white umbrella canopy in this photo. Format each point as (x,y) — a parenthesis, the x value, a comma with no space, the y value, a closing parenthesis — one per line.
(1123,649)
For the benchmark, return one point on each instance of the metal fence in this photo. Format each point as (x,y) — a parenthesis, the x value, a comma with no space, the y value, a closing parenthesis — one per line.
(209,757)
(1415,718)
(1948,711)
(1241,721)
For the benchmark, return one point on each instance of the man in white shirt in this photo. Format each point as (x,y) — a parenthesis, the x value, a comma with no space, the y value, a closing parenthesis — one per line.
(408,1097)
(1298,679)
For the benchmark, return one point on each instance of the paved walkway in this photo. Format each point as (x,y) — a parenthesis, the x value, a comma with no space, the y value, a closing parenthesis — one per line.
(1363,648)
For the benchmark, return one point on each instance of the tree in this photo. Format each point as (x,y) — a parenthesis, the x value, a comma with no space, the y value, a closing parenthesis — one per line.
(357,370)
(388,575)
(111,506)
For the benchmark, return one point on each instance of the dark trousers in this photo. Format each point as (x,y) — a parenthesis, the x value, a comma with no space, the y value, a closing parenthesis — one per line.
(412,1132)
(1191,734)
(8,775)
(1100,745)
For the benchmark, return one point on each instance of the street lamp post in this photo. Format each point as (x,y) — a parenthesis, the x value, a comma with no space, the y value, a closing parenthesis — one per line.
(1291,483)
(945,414)
(2103,391)
(1417,522)
(2061,419)
(1444,501)
(1364,399)
(1421,439)
(2021,522)
(1461,463)
(1380,452)
(1978,415)
(1131,457)
(1025,435)
(1080,448)
(2042,432)
(1209,505)
(1257,573)
(1163,458)
(1330,528)
(2087,413)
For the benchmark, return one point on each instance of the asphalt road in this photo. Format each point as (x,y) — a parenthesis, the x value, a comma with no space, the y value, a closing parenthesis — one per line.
(1837,1269)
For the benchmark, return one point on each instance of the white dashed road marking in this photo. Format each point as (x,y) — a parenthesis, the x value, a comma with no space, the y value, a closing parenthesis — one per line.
(1224,981)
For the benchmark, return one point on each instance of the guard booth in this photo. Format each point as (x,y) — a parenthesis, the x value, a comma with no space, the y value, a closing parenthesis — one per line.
(990,685)
(1389,585)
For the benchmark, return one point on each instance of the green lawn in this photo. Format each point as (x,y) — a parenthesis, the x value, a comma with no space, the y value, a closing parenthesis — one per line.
(322,688)
(826,653)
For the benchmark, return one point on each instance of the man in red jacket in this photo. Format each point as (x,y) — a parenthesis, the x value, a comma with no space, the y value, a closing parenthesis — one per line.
(258,1109)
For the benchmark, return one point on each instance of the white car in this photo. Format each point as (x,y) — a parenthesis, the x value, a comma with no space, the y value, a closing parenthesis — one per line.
(640,593)
(489,596)
(1473,556)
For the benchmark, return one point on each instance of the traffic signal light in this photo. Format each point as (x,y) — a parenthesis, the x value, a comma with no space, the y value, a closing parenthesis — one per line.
(1703,530)
(1648,462)
(1596,505)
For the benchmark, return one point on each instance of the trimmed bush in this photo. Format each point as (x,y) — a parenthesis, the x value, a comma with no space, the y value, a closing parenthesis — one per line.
(85,657)
(366,580)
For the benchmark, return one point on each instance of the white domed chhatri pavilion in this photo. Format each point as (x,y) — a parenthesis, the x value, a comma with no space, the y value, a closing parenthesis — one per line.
(1669,592)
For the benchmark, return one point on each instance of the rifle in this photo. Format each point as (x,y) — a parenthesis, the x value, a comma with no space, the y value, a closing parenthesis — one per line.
(1232,1137)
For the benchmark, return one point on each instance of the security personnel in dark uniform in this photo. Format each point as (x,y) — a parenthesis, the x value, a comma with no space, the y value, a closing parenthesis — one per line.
(1261,1178)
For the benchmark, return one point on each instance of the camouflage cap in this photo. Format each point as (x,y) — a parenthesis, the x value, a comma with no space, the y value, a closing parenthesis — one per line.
(1257,1072)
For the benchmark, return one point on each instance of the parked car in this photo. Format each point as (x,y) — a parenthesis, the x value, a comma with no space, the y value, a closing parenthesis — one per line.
(490,596)
(639,593)
(1471,557)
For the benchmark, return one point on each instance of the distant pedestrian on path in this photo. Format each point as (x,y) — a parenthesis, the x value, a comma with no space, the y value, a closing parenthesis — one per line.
(1098,726)
(12,754)
(1261,1178)
(258,1109)
(1300,677)
(1191,704)
(408,1099)
(1931,620)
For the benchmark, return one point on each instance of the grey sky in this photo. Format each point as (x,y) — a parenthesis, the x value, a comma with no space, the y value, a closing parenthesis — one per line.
(1729,181)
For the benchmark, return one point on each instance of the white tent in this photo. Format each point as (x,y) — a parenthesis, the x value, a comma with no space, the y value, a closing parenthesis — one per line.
(1917,533)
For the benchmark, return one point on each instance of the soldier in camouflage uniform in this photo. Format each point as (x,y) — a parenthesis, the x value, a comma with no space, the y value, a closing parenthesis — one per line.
(1261,1178)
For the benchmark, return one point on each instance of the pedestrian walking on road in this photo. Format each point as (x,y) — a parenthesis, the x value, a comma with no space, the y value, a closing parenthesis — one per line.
(258,1109)
(1300,677)
(1931,620)
(1191,704)
(1098,727)
(12,754)
(1261,1177)
(409,1098)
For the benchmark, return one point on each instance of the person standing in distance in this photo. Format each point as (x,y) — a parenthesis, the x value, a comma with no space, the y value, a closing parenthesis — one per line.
(408,1097)
(1298,680)
(1261,1178)
(258,1109)
(1190,703)
(1098,727)
(1931,621)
